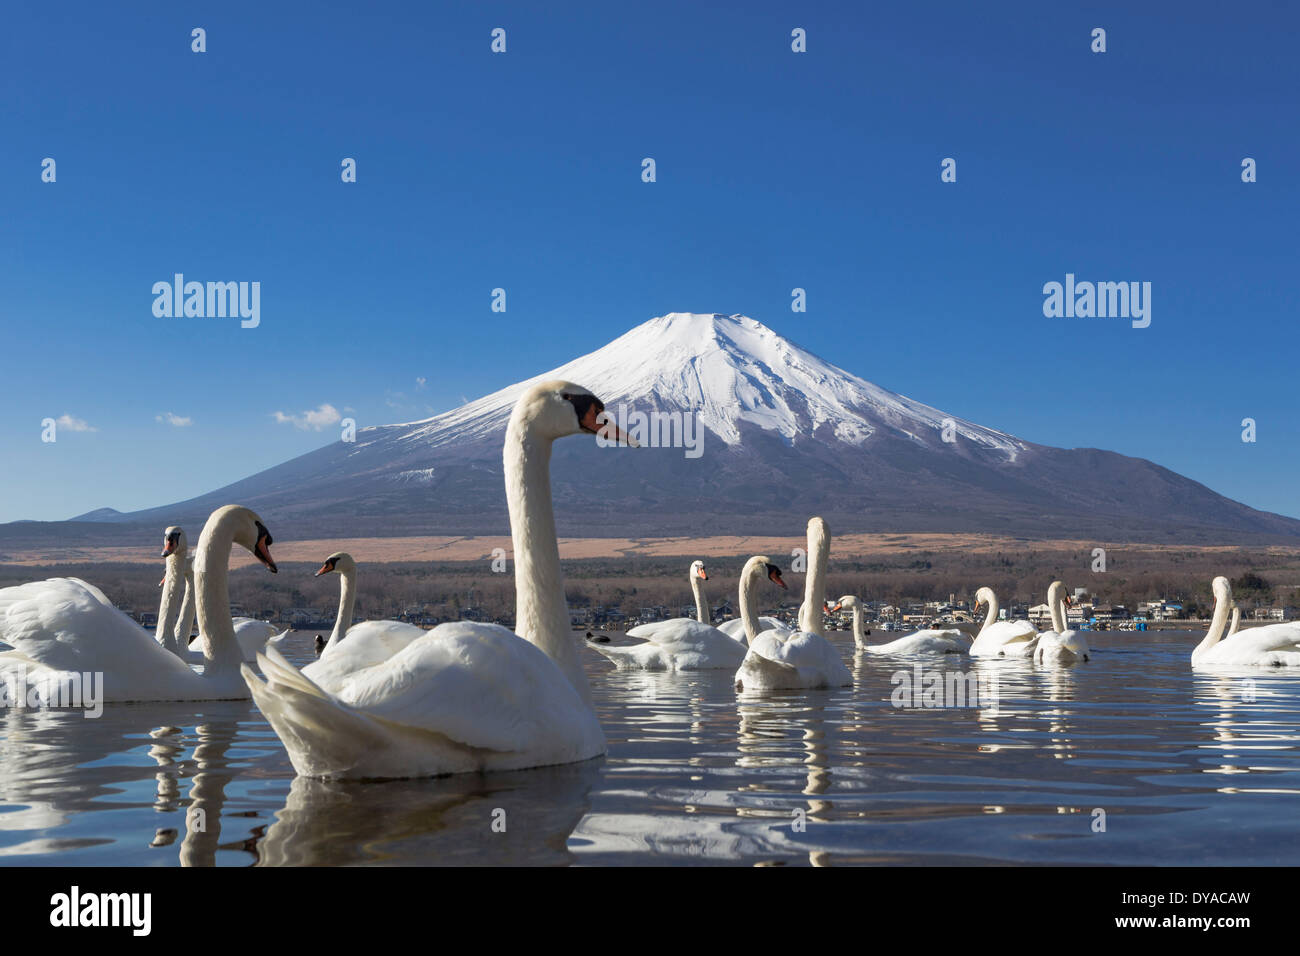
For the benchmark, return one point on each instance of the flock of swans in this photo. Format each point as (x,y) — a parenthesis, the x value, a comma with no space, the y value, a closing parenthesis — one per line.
(388,699)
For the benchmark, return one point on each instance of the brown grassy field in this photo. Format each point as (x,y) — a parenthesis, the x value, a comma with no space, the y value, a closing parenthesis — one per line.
(446,574)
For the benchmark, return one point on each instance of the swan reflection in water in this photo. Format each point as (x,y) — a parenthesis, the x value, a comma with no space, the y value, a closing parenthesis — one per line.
(769,822)
(1247,725)
(56,764)
(519,818)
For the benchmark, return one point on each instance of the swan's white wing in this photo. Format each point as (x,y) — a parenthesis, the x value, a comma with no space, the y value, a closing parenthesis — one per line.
(682,644)
(252,635)
(735,628)
(364,645)
(1001,637)
(1274,645)
(461,698)
(64,625)
(930,641)
(803,659)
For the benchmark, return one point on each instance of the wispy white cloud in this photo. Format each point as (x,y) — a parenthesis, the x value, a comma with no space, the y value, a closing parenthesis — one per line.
(171,418)
(314,419)
(73,424)
(420,382)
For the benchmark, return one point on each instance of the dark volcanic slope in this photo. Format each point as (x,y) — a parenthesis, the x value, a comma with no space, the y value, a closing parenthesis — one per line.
(786,435)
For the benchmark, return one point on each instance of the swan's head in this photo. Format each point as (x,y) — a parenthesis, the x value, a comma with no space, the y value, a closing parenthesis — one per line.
(848,601)
(697,571)
(247,531)
(338,561)
(557,409)
(984,596)
(762,564)
(174,542)
(1054,594)
(1222,589)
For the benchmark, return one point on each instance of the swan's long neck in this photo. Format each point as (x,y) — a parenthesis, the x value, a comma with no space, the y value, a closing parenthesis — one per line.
(347,600)
(541,614)
(170,605)
(991,615)
(1056,607)
(814,588)
(701,606)
(185,624)
(1217,625)
(1236,621)
(748,614)
(859,639)
(212,572)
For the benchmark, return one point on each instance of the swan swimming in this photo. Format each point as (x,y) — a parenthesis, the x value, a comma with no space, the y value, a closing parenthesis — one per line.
(63,627)
(465,697)
(1001,638)
(801,659)
(1060,645)
(680,644)
(1273,645)
(352,648)
(929,641)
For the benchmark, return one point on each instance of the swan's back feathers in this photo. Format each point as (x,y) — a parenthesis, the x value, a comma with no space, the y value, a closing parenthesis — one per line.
(681,644)
(803,660)
(66,625)
(365,645)
(1273,645)
(929,641)
(1003,637)
(735,628)
(463,697)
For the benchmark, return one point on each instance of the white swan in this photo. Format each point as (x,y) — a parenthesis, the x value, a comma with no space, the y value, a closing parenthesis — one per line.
(63,628)
(176,554)
(465,697)
(1060,645)
(1273,645)
(929,641)
(354,647)
(802,659)
(680,644)
(251,634)
(1001,638)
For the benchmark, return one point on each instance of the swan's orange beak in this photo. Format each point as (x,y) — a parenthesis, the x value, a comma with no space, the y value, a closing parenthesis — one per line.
(606,428)
(1068,602)
(704,575)
(169,548)
(324,569)
(263,554)
(775,577)
(832,610)
(162,582)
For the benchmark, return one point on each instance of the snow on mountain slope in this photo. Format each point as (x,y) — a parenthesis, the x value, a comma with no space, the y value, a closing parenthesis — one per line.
(787,434)
(730,370)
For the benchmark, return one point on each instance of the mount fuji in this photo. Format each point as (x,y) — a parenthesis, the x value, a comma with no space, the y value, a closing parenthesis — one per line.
(785,435)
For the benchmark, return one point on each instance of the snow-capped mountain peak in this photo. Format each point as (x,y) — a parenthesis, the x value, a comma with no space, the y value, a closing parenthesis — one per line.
(729,370)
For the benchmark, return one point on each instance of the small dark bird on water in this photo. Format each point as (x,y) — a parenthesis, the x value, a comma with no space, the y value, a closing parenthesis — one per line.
(598,640)
(320,644)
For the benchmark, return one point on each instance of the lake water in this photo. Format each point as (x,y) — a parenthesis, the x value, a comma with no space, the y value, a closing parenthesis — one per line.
(1130,758)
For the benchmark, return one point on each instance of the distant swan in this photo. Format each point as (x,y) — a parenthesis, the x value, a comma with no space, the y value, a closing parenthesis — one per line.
(465,697)
(803,659)
(354,647)
(930,641)
(1060,645)
(679,644)
(1001,638)
(1273,645)
(64,627)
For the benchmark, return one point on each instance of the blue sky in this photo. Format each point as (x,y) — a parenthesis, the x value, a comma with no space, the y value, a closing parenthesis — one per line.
(522,170)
